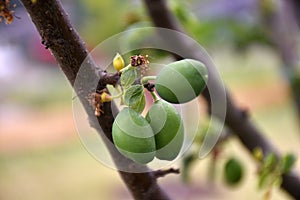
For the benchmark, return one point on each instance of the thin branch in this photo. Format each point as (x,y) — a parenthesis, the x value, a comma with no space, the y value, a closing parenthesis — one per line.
(162,173)
(281,26)
(250,136)
(70,53)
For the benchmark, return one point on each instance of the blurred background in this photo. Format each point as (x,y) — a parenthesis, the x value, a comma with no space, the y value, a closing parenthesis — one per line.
(41,156)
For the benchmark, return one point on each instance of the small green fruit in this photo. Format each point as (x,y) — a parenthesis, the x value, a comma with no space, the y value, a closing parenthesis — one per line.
(233,172)
(181,81)
(133,136)
(168,128)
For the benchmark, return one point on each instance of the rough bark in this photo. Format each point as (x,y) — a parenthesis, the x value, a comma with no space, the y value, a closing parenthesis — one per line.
(236,118)
(69,50)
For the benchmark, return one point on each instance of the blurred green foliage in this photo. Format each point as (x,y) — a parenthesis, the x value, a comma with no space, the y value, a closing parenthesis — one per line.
(218,30)
(102,19)
(106,18)
(271,169)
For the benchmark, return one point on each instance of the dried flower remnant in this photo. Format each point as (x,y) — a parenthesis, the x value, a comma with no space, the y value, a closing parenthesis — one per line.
(96,99)
(138,60)
(141,62)
(5,12)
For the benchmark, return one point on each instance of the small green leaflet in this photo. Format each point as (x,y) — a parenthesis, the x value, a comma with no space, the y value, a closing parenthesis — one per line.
(287,163)
(264,179)
(140,105)
(134,98)
(128,77)
(133,94)
(270,161)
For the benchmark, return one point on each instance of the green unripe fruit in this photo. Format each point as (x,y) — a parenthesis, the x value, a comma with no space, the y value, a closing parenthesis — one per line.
(181,81)
(133,136)
(233,172)
(168,128)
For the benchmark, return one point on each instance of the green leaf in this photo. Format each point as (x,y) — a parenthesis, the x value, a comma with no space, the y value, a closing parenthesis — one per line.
(270,162)
(128,77)
(134,98)
(140,105)
(133,94)
(264,179)
(287,163)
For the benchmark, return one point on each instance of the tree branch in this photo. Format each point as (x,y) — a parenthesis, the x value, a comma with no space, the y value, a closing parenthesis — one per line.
(70,52)
(250,136)
(281,26)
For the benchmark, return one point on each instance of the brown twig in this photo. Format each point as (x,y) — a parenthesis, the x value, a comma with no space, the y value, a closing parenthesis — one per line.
(162,173)
(70,53)
(250,136)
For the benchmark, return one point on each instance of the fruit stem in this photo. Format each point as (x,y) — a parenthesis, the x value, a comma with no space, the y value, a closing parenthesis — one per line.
(154,96)
(126,68)
(145,79)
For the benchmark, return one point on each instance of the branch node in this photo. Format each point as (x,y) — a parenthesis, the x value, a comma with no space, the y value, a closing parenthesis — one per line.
(245,113)
(162,173)
(108,78)
(149,86)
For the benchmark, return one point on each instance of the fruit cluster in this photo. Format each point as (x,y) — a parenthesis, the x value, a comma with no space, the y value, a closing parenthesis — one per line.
(160,133)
